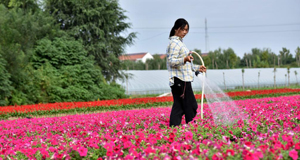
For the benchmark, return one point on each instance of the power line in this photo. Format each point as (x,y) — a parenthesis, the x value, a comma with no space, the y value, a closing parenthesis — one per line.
(153,36)
(241,26)
(253,31)
(223,32)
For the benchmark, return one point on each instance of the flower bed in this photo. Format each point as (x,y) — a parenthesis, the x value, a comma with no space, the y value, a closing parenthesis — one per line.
(71,107)
(271,132)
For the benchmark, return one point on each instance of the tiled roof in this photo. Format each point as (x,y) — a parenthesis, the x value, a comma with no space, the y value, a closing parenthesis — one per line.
(162,56)
(132,56)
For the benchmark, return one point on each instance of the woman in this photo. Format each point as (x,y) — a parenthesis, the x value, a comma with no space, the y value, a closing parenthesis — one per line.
(181,74)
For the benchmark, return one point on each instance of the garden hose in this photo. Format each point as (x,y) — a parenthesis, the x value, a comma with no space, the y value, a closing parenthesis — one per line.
(202,96)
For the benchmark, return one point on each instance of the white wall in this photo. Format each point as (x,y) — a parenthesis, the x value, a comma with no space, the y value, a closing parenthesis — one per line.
(147,56)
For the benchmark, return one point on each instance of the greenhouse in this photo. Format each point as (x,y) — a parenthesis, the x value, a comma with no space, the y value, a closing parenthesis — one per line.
(156,81)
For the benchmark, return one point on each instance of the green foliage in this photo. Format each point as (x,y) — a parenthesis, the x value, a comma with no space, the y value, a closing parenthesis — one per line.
(99,24)
(5,83)
(19,32)
(66,73)
(41,63)
(156,63)
(26,5)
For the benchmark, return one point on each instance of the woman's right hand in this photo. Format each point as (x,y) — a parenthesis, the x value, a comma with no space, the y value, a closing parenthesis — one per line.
(188,59)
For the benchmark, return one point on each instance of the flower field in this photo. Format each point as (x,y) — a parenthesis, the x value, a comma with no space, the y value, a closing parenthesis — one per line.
(271,131)
(83,107)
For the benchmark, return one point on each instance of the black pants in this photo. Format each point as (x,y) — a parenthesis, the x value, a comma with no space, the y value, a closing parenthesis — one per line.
(183,105)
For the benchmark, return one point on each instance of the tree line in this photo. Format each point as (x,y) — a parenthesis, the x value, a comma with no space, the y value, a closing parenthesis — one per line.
(59,51)
(227,59)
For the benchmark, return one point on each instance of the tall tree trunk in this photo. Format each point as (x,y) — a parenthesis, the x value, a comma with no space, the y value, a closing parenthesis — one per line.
(227,64)
(247,62)
(250,63)
(298,60)
(216,65)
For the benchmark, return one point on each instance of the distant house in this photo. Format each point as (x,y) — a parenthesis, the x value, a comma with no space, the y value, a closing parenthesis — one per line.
(162,56)
(136,57)
(204,54)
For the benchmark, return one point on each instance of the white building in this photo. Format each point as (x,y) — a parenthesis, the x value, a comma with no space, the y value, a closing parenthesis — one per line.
(136,57)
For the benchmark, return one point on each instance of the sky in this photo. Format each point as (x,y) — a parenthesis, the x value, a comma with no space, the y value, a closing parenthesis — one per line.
(237,24)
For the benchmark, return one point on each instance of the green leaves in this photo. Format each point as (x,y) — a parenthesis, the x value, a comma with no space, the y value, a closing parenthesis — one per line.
(99,25)
(5,83)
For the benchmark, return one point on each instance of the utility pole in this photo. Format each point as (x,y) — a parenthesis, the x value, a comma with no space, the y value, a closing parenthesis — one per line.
(206,37)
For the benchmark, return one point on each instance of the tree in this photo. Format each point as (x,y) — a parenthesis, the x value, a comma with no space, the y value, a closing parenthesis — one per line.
(19,32)
(285,56)
(25,5)
(156,63)
(230,58)
(5,83)
(67,74)
(100,25)
(297,51)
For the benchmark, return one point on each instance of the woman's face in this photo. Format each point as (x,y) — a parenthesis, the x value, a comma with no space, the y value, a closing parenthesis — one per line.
(181,32)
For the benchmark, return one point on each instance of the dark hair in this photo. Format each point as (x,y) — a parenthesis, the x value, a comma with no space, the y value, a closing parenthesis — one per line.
(179,23)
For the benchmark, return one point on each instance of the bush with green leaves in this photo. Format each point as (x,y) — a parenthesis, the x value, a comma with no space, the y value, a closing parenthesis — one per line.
(67,73)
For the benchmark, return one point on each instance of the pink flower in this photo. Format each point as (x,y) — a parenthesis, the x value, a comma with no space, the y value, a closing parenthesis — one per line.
(293,154)
(60,156)
(44,153)
(196,151)
(128,157)
(149,150)
(117,148)
(82,151)
(297,146)
(124,138)
(109,153)
(172,135)
(127,144)
(188,135)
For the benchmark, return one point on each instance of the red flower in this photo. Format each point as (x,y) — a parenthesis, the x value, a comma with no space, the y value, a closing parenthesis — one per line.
(230,152)
(297,146)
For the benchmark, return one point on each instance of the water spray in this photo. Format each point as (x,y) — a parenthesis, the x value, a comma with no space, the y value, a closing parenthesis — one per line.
(224,110)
